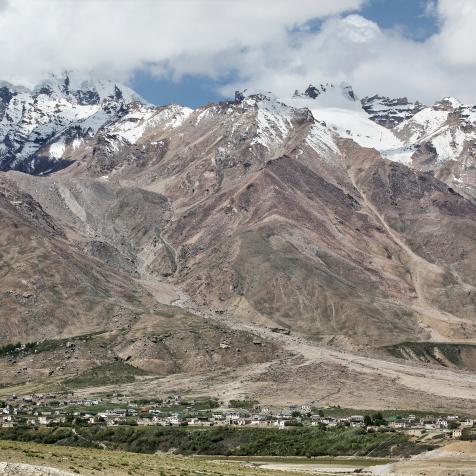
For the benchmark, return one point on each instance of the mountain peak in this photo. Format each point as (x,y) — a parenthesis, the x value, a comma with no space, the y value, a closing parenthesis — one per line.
(84,89)
(325,89)
(390,112)
(58,110)
(448,104)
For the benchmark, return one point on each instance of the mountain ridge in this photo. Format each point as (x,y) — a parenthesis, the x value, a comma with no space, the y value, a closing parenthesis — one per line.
(37,124)
(247,215)
(438,138)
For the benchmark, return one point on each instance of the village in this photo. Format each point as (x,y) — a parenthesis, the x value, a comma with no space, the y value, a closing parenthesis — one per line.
(54,410)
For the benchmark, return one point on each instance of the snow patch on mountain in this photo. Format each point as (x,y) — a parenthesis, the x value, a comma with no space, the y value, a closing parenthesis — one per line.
(423,124)
(136,123)
(356,125)
(177,115)
(402,154)
(449,144)
(273,121)
(327,95)
(397,128)
(83,89)
(76,144)
(442,131)
(448,103)
(342,112)
(58,111)
(57,149)
(389,112)
(322,140)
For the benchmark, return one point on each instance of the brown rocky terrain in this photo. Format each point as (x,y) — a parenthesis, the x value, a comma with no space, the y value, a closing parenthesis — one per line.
(176,240)
(49,288)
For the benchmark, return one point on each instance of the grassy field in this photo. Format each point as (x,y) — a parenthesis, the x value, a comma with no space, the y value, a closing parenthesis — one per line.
(114,373)
(19,349)
(225,441)
(86,461)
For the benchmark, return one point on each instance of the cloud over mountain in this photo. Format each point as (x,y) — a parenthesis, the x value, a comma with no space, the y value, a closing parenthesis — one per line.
(127,34)
(270,45)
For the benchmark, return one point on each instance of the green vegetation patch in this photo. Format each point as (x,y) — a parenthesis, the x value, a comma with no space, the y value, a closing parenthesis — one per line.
(19,349)
(14,350)
(228,441)
(94,462)
(243,403)
(106,374)
(433,352)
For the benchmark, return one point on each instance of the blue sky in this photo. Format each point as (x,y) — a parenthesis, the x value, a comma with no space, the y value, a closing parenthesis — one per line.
(192,91)
(410,17)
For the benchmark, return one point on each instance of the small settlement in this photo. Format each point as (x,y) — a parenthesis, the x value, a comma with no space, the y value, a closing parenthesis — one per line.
(63,410)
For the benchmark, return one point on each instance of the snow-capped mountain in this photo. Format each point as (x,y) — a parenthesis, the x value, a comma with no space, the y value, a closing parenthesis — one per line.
(258,209)
(141,118)
(328,93)
(390,112)
(440,139)
(41,128)
(38,125)
(338,107)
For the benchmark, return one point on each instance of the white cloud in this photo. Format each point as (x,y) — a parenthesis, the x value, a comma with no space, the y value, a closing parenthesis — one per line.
(116,36)
(266,44)
(457,40)
(373,60)
(430,8)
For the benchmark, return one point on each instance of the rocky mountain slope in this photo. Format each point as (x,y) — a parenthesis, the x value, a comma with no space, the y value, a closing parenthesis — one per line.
(38,126)
(438,139)
(247,215)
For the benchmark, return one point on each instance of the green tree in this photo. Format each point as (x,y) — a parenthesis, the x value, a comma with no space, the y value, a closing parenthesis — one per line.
(378,419)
